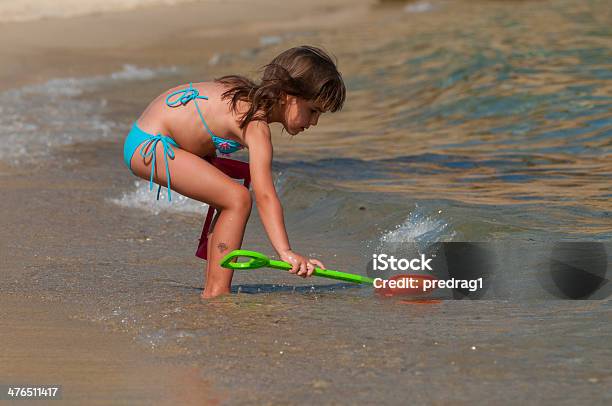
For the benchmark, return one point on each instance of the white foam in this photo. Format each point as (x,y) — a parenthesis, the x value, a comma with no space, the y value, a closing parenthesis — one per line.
(280,182)
(268,40)
(28,10)
(75,86)
(417,228)
(36,118)
(131,72)
(215,59)
(144,198)
(419,7)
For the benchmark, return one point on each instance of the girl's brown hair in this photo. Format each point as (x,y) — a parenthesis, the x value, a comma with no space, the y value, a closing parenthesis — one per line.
(305,71)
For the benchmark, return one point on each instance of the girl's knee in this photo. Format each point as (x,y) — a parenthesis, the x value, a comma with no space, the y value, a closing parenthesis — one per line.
(241,200)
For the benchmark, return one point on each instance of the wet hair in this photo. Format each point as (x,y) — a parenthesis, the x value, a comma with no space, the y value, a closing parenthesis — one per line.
(305,71)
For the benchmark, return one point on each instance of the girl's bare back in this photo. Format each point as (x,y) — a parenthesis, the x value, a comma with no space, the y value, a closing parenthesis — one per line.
(183,123)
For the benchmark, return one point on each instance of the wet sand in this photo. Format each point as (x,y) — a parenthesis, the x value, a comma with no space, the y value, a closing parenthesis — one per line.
(279,341)
(42,344)
(117,290)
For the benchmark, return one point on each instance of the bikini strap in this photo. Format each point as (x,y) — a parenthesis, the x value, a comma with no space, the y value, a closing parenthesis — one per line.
(184,97)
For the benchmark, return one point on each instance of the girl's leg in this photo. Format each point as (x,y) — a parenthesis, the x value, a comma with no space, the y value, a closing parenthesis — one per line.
(218,282)
(195,178)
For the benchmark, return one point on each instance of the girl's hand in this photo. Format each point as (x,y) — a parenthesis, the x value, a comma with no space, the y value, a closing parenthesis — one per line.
(300,265)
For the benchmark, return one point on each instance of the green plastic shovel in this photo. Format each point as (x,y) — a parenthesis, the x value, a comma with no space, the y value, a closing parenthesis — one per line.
(257,260)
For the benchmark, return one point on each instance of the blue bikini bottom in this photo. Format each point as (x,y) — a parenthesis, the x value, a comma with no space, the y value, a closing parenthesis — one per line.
(135,138)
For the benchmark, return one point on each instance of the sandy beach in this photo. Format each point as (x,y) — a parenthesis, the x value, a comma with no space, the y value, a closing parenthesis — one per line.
(34,51)
(104,298)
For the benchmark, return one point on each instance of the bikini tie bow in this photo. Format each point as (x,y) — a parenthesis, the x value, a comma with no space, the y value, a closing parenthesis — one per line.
(183,96)
(167,143)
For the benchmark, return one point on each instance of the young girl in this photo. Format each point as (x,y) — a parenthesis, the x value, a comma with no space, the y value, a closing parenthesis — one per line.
(187,123)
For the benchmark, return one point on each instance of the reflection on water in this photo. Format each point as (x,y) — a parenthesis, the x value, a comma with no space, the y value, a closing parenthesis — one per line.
(483,103)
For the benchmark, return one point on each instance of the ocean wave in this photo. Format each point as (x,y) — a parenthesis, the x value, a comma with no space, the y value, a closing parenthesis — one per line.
(37,118)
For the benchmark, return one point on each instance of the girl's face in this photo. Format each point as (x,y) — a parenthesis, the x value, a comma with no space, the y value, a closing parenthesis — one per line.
(299,114)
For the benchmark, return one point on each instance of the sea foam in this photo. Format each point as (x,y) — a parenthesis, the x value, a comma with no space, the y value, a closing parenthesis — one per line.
(36,118)
(143,198)
(419,228)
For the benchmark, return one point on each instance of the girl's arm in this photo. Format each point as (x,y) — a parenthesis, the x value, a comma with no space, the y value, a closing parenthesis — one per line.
(258,139)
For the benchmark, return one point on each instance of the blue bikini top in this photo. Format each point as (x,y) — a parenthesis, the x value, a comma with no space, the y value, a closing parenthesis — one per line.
(224,145)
